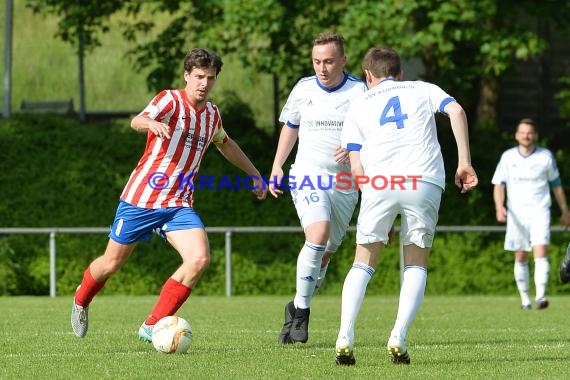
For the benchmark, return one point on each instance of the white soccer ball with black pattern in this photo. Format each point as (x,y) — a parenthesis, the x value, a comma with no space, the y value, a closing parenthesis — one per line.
(172,335)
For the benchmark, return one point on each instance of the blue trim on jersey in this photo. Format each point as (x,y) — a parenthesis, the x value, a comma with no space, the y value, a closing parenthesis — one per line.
(535,150)
(386,80)
(354,78)
(291,125)
(322,86)
(444,103)
(352,147)
(555,182)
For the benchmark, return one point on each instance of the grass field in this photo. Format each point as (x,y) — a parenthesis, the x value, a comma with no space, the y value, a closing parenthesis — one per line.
(236,338)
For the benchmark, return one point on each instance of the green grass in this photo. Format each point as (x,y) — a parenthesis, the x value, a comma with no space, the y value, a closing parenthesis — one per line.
(236,338)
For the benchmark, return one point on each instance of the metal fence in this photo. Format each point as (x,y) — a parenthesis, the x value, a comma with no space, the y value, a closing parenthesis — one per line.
(52,232)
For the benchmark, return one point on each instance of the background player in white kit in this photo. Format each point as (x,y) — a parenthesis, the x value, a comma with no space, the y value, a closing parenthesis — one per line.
(314,113)
(527,173)
(391,130)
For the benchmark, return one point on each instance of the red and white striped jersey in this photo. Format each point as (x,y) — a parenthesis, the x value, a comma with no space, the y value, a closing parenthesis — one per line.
(164,175)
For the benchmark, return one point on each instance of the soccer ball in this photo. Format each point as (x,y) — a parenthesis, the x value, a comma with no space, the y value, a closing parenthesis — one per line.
(172,335)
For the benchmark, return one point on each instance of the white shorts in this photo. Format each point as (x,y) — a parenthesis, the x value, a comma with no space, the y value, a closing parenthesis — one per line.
(323,202)
(527,229)
(419,209)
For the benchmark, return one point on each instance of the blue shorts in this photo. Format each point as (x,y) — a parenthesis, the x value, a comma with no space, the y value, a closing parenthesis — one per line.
(133,224)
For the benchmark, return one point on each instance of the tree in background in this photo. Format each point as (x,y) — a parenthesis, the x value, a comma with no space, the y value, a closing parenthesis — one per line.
(462,44)
(80,23)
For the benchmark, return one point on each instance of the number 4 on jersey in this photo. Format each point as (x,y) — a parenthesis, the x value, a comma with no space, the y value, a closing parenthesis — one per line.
(397,116)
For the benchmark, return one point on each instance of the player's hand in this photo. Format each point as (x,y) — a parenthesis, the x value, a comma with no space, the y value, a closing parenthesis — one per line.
(260,187)
(159,129)
(275,182)
(341,156)
(465,178)
(501,214)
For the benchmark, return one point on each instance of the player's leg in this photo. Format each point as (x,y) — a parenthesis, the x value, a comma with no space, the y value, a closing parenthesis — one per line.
(540,238)
(94,279)
(376,217)
(411,298)
(311,257)
(419,218)
(541,275)
(131,224)
(323,271)
(353,291)
(313,209)
(564,271)
(517,240)
(342,209)
(194,249)
(308,269)
(100,269)
(522,278)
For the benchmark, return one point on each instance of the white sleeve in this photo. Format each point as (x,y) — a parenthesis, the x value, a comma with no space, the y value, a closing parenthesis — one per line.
(553,172)
(438,98)
(351,137)
(500,175)
(290,114)
(160,107)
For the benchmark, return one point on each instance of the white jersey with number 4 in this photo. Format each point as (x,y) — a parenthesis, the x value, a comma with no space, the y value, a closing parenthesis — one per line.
(393,126)
(318,112)
(526,178)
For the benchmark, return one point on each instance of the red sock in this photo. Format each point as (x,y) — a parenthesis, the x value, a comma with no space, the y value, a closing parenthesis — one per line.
(88,289)
(172,296)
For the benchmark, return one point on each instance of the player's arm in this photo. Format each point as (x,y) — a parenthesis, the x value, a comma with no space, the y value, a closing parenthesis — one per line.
(287,139)
(465,176)
(341,155)
(355,163)
(233,153)
(141,123)
(561,200)
(499,199)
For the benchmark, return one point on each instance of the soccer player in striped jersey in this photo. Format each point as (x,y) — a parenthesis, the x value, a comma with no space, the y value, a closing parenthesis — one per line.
(180,125)
(391,131)
(314,114)
(527,173)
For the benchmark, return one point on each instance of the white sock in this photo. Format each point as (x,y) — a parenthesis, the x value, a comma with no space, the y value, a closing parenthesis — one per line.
(353,292)
(308,268)
(411,298)
(541,273)
(522,278)
(321,278)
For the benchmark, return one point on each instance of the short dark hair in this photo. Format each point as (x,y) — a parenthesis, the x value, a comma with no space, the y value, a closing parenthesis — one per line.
(328,38)
(203,58)
(382,62)
(528,121)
